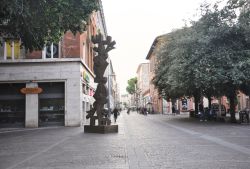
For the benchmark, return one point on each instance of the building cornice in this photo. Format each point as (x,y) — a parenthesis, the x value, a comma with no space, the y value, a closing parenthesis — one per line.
(103,18)
(54,60)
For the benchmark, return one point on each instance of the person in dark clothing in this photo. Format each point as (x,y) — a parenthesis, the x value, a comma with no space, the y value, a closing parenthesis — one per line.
(173,110)
(201,112)
(128,111)
(115,112)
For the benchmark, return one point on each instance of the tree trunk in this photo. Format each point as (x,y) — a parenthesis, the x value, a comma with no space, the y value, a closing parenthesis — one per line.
(232,108)
(196,102)
(209,102)
(220,106)
(174,103)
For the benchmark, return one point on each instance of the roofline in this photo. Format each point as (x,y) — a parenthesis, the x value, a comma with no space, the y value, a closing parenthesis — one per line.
(154,44)
(140,66)
(152,48)
(103,18)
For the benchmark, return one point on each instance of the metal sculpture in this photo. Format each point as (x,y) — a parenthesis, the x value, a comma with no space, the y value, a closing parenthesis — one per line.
(101,94)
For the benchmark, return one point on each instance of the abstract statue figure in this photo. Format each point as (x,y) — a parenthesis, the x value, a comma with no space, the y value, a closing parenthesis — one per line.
(101,94)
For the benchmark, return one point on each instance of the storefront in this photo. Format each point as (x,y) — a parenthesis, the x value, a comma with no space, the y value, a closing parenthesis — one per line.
(53,93)
(88,90)
(12,105)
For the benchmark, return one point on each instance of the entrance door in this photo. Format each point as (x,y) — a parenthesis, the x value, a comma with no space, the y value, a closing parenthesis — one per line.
(51,104)
(12,105)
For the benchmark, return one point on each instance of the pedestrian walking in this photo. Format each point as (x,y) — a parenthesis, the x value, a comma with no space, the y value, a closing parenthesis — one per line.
(115,112)
(128,111)
(202,113)
(145,111)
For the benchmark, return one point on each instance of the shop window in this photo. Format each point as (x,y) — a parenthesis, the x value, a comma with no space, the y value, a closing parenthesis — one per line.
(51,110)
(12,112)
(12,105)
(87,90)
(91,92)
(84,89)
(51,104)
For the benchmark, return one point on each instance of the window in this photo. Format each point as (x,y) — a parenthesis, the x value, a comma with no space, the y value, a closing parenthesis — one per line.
(83,88)
(87,90)
(84,53)
(52,104)
(12,49)
(51,51)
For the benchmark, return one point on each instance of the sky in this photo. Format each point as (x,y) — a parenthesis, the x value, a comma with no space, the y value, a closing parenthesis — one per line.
(134,24)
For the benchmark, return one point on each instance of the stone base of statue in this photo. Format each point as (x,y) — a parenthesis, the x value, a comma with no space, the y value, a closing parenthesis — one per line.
(101,129)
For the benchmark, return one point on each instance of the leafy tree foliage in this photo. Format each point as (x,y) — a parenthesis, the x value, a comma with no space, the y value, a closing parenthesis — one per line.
(209,58)
(43,21)
(131,88)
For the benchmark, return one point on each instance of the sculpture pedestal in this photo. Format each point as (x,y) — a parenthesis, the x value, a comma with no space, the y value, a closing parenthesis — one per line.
(101,129)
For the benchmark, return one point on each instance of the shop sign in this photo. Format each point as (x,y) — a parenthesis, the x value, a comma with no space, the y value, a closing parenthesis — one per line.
(91,93)
(85,76)
(28,90)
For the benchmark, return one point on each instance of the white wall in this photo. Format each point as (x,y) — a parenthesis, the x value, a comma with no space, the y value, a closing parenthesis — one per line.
(40,71)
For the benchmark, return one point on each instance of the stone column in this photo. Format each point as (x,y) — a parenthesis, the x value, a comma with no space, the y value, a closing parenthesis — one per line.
(72,105)
(31,113)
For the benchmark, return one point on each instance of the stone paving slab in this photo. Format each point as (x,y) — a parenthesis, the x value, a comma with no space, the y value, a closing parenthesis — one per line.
(143,142)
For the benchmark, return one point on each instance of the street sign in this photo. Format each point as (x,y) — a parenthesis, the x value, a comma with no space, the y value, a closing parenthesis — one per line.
(35,90)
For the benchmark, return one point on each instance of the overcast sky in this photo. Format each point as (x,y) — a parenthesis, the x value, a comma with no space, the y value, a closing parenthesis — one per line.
(134,24)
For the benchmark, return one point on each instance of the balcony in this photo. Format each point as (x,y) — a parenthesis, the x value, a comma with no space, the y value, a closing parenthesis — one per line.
(11,51)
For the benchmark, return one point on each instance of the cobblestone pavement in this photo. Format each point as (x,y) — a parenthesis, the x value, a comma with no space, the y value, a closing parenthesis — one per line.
(143,142)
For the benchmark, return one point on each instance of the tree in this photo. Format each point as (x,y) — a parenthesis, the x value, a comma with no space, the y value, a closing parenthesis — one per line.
(211,57)
(226,51)
(37,23)
(131,88)
(176,73)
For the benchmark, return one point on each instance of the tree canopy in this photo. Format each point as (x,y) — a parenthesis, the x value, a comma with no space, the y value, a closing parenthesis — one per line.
(131,88)
(39,22)
(211,57)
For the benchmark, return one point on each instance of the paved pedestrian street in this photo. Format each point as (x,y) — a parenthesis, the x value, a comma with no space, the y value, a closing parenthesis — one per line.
(143,142)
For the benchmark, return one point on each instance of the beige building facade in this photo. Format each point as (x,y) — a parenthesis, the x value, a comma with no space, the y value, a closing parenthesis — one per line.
(142,91)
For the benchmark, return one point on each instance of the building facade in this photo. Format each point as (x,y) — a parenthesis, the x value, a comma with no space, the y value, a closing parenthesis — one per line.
(125,101)
(156,100)
(158,104)
(54,86)
(143,98)
(112,86)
